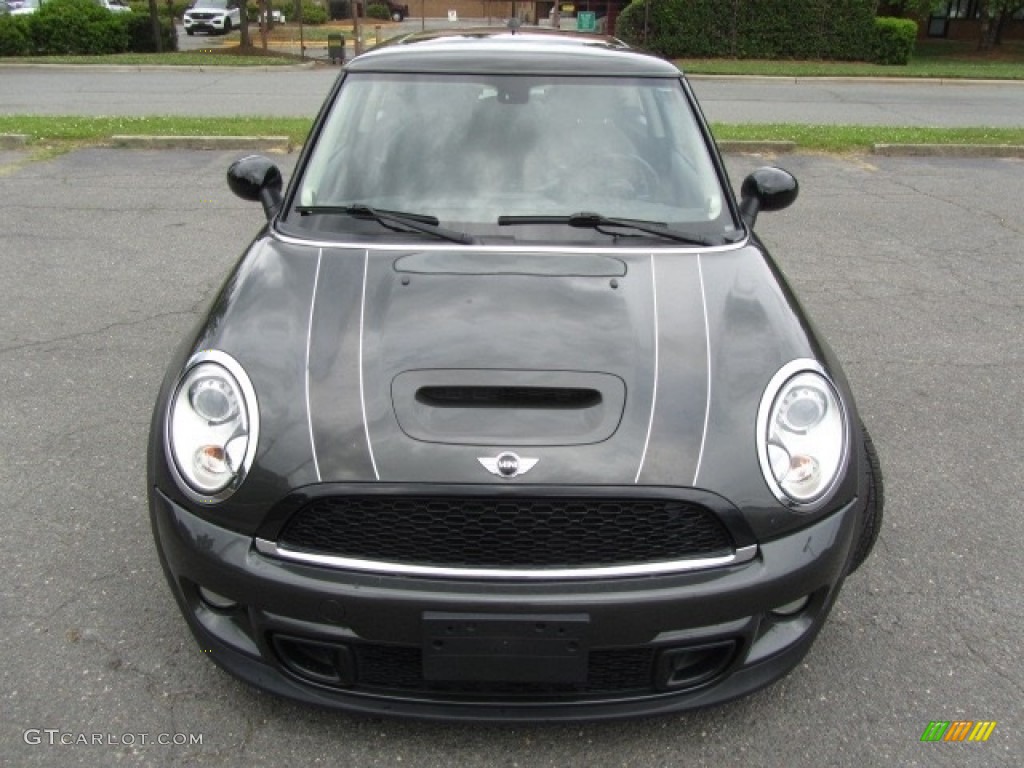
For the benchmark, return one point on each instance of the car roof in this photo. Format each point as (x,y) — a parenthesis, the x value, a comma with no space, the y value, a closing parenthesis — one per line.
(488,50)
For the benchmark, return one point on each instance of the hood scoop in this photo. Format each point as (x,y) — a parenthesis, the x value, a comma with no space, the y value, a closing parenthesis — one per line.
(508,407)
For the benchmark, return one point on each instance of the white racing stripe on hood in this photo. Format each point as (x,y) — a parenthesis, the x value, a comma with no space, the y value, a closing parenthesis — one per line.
(309,342)
(654,390)
(362,389)
(707,346)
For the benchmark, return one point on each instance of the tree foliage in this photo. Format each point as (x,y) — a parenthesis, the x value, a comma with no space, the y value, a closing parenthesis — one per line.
(994,16)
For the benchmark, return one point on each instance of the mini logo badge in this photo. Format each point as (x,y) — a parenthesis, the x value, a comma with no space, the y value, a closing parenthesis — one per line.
(507,464)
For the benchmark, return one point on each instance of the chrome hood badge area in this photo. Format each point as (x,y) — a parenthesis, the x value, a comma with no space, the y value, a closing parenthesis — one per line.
(507,464)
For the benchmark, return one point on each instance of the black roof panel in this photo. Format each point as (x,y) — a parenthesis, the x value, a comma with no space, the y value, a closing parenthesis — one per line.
(499,51)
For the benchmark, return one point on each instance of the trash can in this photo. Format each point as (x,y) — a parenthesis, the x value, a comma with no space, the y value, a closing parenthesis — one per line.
(336,48)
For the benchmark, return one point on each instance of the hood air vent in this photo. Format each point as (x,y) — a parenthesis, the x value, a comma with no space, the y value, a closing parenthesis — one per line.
(508,397)
(507,407)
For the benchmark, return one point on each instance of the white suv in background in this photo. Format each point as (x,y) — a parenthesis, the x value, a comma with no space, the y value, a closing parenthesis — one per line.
(212,16)
(114,6)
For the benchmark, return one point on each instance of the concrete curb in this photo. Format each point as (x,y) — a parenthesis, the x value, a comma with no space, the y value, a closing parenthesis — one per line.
(283,145)
(797,80)
(13,140)
(949,150)
(257,143)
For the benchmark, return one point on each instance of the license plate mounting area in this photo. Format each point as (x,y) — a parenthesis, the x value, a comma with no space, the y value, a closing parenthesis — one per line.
(507,648)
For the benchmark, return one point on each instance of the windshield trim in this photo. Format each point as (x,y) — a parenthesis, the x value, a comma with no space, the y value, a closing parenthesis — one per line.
(526,247)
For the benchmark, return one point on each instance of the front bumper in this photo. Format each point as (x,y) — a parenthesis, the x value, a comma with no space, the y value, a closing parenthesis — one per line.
(205,25)
(370,643)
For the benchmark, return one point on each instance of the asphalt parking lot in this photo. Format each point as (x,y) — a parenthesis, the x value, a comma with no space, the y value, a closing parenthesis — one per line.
(912,268)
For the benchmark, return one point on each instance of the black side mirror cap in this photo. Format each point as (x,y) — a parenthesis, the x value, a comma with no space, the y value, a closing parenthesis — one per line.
(766,189)
(256,178)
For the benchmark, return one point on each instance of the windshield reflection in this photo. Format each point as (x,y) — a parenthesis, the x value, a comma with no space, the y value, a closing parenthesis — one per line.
(468,149)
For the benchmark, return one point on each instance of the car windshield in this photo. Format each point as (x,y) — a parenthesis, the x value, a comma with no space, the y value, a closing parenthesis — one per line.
(470,150)
(210,4)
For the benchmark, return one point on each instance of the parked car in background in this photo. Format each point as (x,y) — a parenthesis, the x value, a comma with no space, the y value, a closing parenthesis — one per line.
(212,16)
(114,6)
(25,7)
(507,413)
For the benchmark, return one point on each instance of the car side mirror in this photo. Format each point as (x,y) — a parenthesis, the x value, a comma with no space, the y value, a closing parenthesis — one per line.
(257,178)
(766,189)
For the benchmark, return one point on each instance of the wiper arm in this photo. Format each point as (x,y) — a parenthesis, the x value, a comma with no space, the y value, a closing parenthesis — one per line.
(596,221)
(416,222)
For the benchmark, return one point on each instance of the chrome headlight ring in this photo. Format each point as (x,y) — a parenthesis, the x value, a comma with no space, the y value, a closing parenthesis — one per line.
(211,427)
(803,434)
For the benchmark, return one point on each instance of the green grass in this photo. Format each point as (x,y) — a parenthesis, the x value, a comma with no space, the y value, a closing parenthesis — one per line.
(933,58)
(858,138)
(48,130)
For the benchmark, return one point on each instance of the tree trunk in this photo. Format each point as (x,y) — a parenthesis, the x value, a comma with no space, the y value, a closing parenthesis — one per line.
(357,30)
(264,22)
(154,18)
(1001,25)
(243,27)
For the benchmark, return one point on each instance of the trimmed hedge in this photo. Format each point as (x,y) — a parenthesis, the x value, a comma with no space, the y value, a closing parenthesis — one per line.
(80,27)
(842,30)
(313,14)
(140,29)
(378,11)
(894,40)
(172,10)
(71,27)
(15,37)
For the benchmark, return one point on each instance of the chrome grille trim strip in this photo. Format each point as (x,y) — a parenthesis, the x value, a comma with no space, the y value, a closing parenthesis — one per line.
(739,556)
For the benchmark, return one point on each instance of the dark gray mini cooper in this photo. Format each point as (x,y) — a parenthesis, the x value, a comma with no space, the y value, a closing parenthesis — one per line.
(506,413)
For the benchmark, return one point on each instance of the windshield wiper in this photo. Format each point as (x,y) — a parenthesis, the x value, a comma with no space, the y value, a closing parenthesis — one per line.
(415,222)
(600,223)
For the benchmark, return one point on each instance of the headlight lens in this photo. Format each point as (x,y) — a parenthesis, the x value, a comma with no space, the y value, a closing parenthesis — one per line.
(212,426)
(802,434)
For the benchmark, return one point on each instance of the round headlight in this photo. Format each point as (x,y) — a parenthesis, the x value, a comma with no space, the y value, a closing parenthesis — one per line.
(802,434)
(213,399)
(212,425)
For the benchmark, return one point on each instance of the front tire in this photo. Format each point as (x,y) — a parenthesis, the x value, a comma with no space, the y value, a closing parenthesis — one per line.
(873,506)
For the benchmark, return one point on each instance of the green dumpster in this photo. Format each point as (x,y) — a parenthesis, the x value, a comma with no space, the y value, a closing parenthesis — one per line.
(586,21)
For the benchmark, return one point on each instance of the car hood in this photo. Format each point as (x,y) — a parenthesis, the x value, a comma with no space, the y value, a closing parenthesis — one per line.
(607,367)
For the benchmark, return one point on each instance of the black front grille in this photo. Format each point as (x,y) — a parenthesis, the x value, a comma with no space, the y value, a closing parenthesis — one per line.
(390,670)
(506,533)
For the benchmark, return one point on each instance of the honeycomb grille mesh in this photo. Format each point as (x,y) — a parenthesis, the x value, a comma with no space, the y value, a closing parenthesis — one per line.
(504,533)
